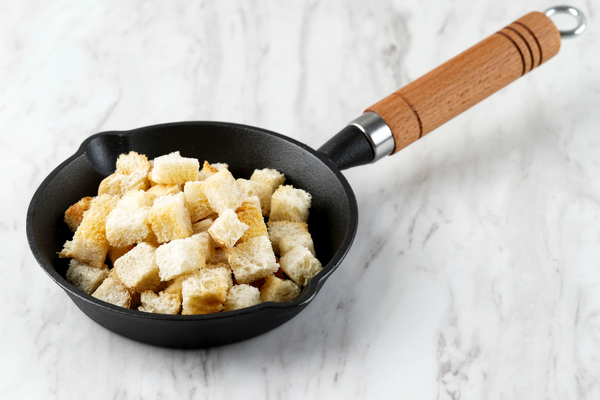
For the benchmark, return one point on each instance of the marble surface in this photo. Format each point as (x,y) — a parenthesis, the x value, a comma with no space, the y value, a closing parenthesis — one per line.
(475,272)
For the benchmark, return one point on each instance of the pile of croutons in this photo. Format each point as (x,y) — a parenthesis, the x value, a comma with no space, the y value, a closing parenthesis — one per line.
(180,239)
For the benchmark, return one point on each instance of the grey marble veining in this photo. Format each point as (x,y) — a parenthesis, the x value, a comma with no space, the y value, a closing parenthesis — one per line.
(475,273)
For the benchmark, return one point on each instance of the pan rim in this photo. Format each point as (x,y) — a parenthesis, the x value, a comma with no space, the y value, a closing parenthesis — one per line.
(314,285)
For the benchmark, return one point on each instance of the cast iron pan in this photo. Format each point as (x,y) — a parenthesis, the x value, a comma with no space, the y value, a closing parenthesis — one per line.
(406,115)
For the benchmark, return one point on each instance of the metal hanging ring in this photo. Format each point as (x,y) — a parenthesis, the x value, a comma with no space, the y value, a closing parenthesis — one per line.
(581,21)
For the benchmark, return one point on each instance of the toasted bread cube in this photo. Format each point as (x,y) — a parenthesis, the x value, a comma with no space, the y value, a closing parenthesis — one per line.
(268,176)
(114,292)
(170,218)
(278,290)
(205,291)
(253,200)
(280,229)
(224,265)
(74,214)
(207,245)
(164,190)
(202,226)
(132,161)
(162,303)
(219,257)
(85,277)
(179,257)
(120,183)
(251,215)
(206,171)
(138,269)
(242,296)
(174,286)
(89,243)
(128,222)
(300,265)
(197,201)
(172,168)
(289,204)
(227,229)
(287,243)
(255,188)
(114,253)
(252,260)
(222,192)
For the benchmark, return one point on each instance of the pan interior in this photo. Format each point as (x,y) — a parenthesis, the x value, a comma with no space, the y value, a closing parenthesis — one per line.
(333,215)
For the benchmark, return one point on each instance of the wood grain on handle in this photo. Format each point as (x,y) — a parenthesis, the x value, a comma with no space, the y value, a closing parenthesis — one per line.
(435,98)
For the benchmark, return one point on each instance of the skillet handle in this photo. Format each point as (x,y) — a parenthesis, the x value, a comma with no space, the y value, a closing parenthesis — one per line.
(435,98)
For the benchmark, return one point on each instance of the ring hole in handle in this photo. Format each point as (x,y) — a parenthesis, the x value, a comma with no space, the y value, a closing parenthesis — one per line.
(568,10)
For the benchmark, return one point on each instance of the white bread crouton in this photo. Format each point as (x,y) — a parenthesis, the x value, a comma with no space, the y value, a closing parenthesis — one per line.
(206,171)
(300,265)
(252,260)
(289,204)
(170,218)
(85,277)
(172,168)
(74,214)
(128,222)
(227,229)
(261,190)
(286,243)
(207,245)
(174,286)
(163,190)
(202,226)
(138,269)
(205,291)
(222,192)
(251,215)
(89,243)
(219,257)
(197,201)
(114,253)
(278,290)
(242,296)
(120,183)
(132,161)
(268,176)
(114,292)
(162,303)
(179,257)
(280,229)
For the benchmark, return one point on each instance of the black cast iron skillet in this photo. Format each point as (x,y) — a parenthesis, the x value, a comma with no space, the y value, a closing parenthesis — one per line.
(405,115)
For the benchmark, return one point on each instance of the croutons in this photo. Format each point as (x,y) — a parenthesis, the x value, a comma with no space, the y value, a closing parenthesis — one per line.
(164,190)
(128,222)
(242,296)
(251,215)
(132,161)
(280,229)
(252,260)
(179,257)
(170,218)
(74,214)
(197,201)
(259,189)
(278,290)
(162,303)
(268,176)
(173,168)
(300,265)
(85,277)
(286,243)
(114,292)
(290,204)
(227,229)
(120,183)
(205,291)
(222,192)
(138,269)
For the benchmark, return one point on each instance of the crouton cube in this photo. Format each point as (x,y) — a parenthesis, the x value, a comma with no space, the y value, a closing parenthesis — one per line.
(251,215)
(120,183)
(89,243)
(300,265)
(128,222)
(138,269)
(219,257)
(202,226)
(114,292)
(164,190)
(179,257)
(207,245)
(172,168)
(205,291)
(162,303)
(286,243)
(280,229)
(268,176)
(252,260)
(132,161)
(289,204)
(85,277)
(255,188)
(222,192)
(278,290)
(227,229)
(174,286)
(114,253)
(206,171)
(197,201)
(170,218)
(74,214)
(241,296)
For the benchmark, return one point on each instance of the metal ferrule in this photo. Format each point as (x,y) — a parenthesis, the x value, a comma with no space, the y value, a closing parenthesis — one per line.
(377,132)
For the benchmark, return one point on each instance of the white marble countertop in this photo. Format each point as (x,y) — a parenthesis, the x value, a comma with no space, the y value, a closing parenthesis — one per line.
(475,272)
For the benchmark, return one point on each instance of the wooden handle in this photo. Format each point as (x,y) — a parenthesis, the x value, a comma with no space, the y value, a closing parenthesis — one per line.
(453,87)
